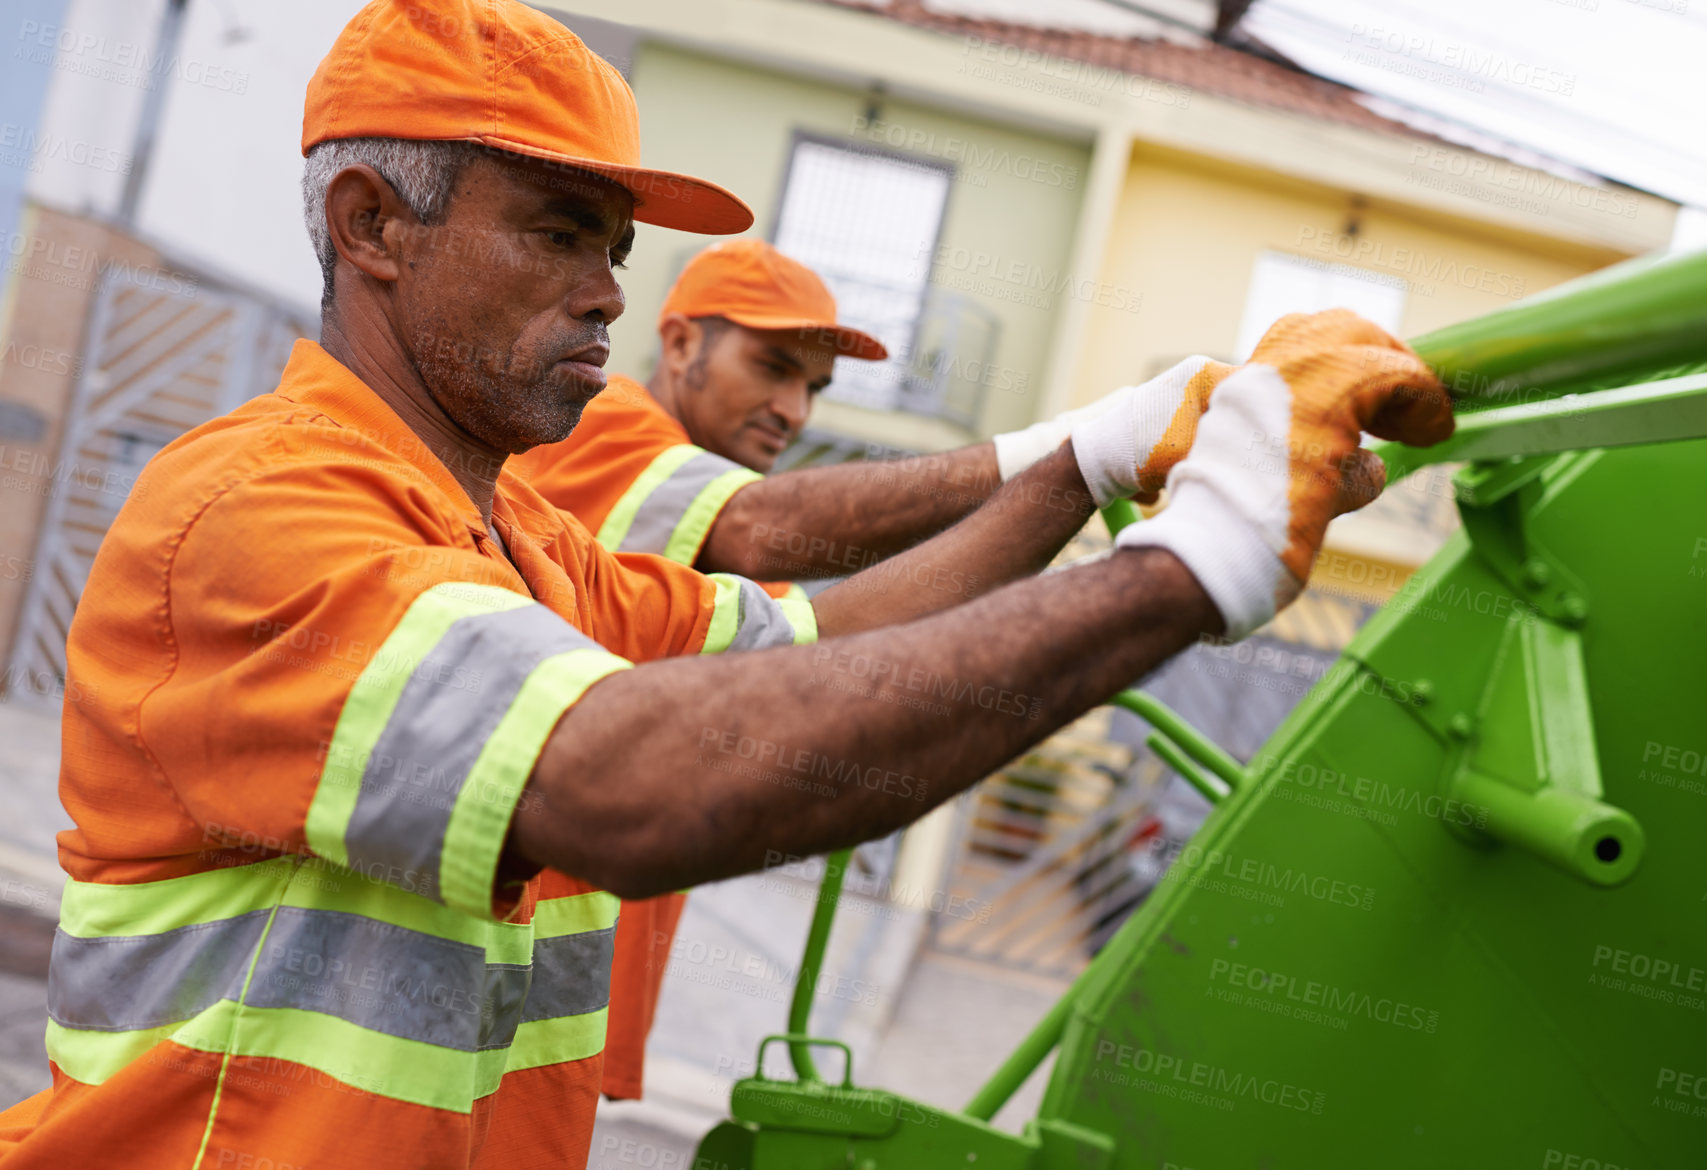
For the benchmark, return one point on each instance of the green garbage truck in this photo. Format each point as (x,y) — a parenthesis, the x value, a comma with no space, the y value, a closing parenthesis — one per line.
(1497,956)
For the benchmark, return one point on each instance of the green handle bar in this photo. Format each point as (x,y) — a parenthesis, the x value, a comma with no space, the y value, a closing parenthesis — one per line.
(806,980)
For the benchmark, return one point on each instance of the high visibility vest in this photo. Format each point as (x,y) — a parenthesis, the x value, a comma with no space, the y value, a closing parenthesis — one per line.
(310,691)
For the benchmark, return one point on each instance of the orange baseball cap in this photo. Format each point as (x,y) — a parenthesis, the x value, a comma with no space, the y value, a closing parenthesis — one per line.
(753,284)
(500,73)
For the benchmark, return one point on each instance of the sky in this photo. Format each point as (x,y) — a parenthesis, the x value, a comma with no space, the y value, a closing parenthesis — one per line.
(1607,87)
(1611,86)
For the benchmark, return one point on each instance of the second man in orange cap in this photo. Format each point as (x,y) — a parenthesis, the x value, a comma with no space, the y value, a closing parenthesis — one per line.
(677,468)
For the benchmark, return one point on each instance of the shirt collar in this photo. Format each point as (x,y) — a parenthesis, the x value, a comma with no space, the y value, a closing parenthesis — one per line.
(316,379)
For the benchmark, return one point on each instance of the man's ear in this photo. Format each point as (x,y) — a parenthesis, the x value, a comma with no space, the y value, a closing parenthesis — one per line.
(678,335)
(360,208)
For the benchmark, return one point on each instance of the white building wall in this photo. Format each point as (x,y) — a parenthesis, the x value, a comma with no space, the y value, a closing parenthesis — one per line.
(224,180)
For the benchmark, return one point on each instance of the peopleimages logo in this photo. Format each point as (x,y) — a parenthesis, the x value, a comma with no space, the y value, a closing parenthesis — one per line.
(1149,1064)
(1079,81)
(1446,63)
(40,258)
(1312,993)
(1255,879)
(966,153)
(1419,268)
(1024,281)
(123,62)
(25,145)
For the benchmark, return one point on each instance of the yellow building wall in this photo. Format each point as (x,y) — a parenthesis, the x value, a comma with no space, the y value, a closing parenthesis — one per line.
(1187,233)
(1006,234)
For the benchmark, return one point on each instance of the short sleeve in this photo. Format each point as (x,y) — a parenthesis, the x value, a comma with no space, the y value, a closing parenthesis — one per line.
(669,507)
(353,678)
(648,607)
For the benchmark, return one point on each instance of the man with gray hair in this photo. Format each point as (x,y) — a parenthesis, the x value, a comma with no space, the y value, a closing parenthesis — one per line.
(422,173)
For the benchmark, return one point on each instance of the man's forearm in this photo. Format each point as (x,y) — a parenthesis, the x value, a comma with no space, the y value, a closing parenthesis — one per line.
(833,521)
(686,771)
(1014,535)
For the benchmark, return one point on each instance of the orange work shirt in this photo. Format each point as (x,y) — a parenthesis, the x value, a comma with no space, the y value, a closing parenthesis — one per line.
(305,692)
(631,473)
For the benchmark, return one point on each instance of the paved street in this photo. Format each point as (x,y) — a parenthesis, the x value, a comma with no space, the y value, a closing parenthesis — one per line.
(30,813)
(25,937)
(30,880)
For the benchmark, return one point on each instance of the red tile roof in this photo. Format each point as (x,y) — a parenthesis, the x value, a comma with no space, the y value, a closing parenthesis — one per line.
(1207,68)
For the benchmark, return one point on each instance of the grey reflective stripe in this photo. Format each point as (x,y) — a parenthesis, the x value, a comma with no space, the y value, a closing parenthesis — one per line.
(387,978)
(760,622)
(663,508)
(571,975)
(129,982)
(442,720)
(501,1000)
(374,974)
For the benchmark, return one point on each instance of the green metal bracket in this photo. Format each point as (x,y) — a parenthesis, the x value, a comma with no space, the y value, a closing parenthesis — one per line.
(1065,1146)
(810,1123)
(1176,759)
(1482,485)
(812,961)
(1531,768)
(1497,503)
(811,1104)
(1186,739)
(1023,1061)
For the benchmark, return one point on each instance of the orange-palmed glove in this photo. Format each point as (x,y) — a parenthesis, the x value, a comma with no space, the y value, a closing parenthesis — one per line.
(1127,441)
(1128,447)
(1276,457)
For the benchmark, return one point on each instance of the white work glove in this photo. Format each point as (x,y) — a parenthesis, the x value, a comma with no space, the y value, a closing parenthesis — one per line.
(1018,450)
(1127,441)
(1277,457)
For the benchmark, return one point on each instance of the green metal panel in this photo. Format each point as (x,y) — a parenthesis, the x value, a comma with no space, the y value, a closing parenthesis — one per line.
(1350,968)
(1452,914)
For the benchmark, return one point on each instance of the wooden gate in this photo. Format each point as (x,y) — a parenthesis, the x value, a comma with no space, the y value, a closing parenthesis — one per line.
(1048,860)
(156,364)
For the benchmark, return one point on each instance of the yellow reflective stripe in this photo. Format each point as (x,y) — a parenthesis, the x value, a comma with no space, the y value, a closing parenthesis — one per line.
(480,819)
(796,593)
(621,517)
(542,1042)
(91,1057)
(320,886)
(728,621)
(725,613)
(575,914)
(104,909)
(374,696)
(388,1066)
(800,615)
(689,533)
